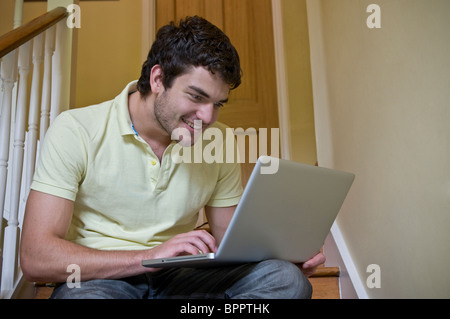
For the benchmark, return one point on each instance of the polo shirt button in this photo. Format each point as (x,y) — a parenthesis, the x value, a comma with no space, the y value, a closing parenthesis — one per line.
(153,162)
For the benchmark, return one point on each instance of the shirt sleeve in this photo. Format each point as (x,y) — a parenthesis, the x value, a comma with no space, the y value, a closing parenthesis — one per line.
(61,162)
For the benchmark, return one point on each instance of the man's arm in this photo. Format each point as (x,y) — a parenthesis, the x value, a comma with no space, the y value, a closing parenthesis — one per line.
(45,254)
(218,220)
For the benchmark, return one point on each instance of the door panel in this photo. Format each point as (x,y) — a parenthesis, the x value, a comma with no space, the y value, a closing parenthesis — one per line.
(248,23)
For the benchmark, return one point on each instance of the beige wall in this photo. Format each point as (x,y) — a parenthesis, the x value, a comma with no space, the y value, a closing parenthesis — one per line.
(31,10)
(382,106)
(109,49)
(298,72)
(6,16)
(109,45)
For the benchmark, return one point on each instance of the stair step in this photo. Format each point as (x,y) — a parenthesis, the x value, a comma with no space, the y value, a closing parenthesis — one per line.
(327,272)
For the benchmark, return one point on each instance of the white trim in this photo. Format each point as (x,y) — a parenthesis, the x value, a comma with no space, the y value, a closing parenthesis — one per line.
(148,26)
(348,262)
(18,13)
(324,143)
(281,77)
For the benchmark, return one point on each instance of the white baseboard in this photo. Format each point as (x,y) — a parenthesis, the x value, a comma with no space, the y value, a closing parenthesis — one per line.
(338,255)
(22,290)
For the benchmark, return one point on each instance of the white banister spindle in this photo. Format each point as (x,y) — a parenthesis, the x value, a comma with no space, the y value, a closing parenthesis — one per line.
(12,231)
(8,73)
(58,72)
(8,78)
(33,116)
(47,81)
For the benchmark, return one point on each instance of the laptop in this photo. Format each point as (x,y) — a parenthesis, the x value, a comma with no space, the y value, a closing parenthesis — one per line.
(285,214)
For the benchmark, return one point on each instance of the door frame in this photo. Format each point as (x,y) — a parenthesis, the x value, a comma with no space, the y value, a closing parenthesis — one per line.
(148,36)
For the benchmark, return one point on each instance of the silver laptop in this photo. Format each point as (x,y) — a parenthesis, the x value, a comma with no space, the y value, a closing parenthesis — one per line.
(285,214)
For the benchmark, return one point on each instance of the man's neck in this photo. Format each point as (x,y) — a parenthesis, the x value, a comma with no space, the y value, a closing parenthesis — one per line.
(145,124)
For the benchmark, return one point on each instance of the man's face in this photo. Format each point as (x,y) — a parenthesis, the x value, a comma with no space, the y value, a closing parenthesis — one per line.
(194,96)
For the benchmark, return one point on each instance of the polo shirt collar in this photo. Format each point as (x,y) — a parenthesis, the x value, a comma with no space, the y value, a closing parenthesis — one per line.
(123,112)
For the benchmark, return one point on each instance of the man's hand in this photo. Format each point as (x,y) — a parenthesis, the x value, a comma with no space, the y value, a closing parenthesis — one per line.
(309,267)
(192,243)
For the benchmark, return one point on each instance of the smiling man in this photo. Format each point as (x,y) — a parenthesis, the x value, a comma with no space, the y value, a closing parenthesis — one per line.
(107,194)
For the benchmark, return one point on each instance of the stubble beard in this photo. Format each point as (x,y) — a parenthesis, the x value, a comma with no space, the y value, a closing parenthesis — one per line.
(168,121)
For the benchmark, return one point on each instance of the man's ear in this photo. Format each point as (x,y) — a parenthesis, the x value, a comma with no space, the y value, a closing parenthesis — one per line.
(156,79)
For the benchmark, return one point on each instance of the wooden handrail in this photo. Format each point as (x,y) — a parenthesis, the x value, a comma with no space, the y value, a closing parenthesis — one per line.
(19,36)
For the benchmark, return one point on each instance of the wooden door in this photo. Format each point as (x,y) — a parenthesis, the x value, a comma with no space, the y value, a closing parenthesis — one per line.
(248,23)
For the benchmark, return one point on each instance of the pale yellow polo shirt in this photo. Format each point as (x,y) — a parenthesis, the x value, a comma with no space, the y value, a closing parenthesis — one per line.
(124,198)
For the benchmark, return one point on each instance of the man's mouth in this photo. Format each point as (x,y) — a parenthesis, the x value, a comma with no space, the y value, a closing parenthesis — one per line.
(196,125)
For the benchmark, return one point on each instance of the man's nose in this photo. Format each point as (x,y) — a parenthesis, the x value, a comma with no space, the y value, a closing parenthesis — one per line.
(207,113)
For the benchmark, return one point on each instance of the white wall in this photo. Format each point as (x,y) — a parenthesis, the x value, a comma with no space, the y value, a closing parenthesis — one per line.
(382,111)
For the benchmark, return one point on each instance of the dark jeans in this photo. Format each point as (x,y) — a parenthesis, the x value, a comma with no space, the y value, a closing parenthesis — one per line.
(270,279)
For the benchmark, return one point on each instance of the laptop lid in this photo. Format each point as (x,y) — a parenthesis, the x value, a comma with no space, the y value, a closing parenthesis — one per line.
(285,213)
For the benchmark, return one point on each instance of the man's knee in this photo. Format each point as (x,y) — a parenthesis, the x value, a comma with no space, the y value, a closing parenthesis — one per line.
(291,282)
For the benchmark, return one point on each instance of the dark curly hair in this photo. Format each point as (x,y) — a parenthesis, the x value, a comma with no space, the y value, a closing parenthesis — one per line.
(194,42)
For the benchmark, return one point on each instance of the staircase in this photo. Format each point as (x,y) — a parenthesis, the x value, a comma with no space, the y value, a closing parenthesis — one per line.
(29,100)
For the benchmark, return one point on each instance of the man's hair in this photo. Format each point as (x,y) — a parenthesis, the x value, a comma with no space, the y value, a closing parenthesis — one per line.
(194,42)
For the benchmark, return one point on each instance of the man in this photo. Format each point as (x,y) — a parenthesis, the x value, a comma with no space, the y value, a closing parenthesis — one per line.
(107,193)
